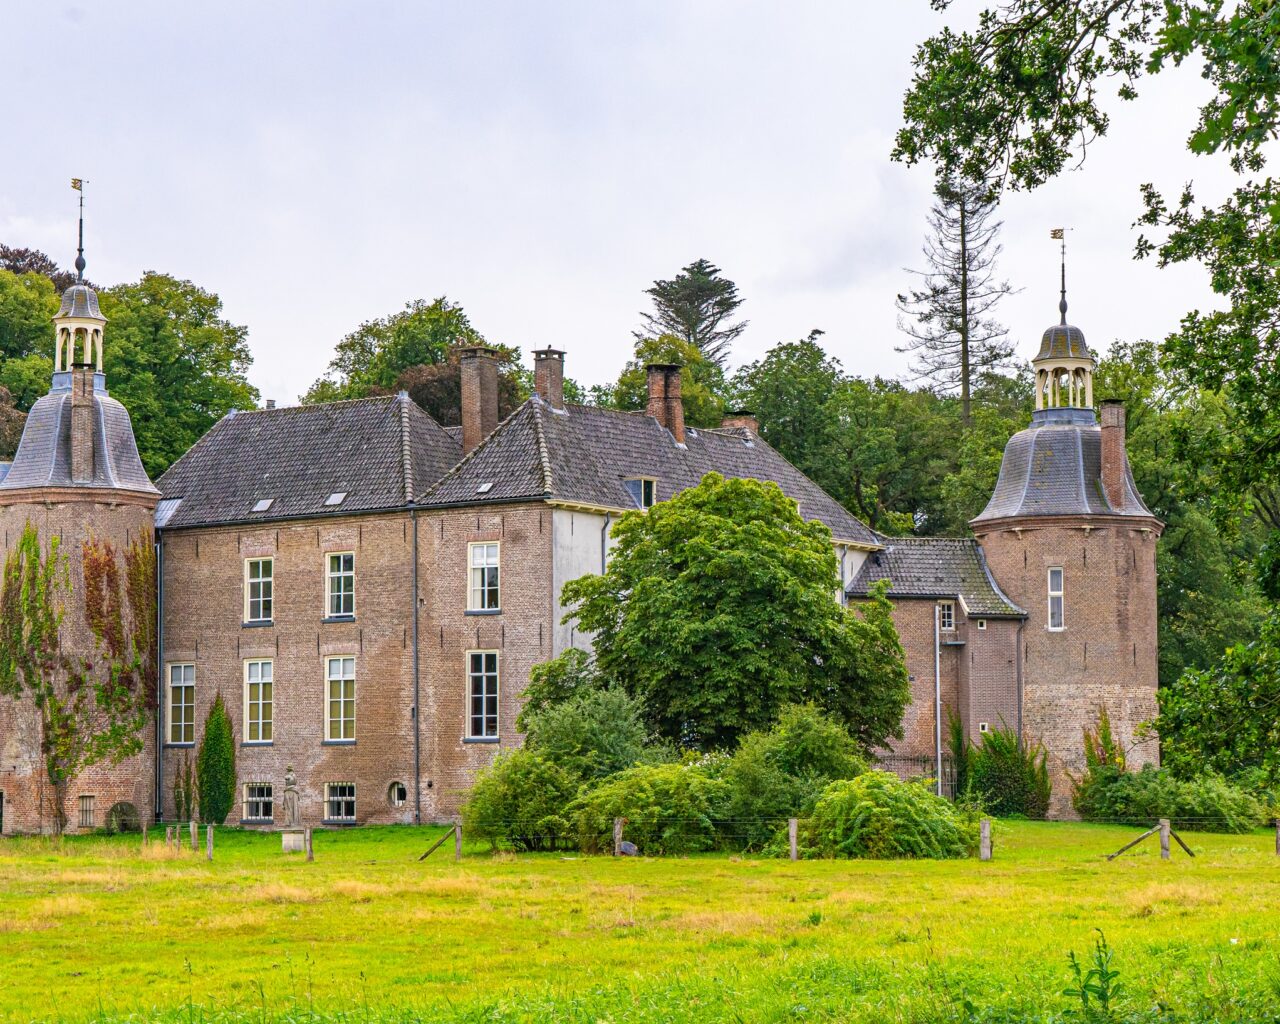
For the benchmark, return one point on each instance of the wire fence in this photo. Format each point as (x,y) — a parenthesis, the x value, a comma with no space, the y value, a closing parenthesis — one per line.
(911,767)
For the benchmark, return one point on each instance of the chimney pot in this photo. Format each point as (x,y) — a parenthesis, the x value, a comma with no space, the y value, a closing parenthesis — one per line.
(548,376)
(479,365)
(271,403)
(665,404)
(1115,460)
(742,420)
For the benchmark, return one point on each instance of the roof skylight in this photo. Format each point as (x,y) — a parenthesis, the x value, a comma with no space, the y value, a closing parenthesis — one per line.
(263,504)
(485,487)
(336,498)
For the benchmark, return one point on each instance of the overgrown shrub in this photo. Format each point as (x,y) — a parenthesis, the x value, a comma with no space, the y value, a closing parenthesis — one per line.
(961,751)
(216,765)
(1204,803)
(1010,777)
(878,815)
(555,682)
(520,800)
(184,789)
(670,809)
(779,774)
(592,734)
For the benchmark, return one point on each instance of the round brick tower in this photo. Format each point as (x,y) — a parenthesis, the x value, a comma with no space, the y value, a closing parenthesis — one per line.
(1068,537)
(77,477)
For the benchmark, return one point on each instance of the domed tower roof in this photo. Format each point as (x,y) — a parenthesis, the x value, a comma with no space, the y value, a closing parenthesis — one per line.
(80,301)
(1063,341)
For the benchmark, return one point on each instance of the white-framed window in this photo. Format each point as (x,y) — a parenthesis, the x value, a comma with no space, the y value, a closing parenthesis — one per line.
(484,591)
(983,727)
(340,801)
(259,589)
(259,804)
(947,615)
(397,794)
(982,623)
(1056,617)
(340,698)
(182,704)
(258,710)
(340,584)
(86,811)
(482,694)
(644,490)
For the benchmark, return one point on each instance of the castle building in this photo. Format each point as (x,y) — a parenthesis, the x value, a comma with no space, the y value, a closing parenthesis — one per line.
(368,590)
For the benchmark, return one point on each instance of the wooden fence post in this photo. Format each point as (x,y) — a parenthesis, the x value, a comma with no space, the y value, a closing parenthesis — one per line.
(195,832)
(1278,837)
(306,839)
(793,826)
(208,842)
(457,842)
(617,836)
(168,836)
(1164,838)
(984,839)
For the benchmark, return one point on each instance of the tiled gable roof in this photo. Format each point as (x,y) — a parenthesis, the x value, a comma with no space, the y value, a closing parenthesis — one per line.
(935,567)
(378,452)
(584,454)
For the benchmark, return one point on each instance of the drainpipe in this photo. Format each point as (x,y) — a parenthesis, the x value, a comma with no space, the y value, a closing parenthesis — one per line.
(159,794)
(1017,654)
(417,731)
(604,542)
(937,688)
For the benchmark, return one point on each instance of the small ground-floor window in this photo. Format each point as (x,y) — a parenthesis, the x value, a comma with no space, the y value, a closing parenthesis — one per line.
(340,801)
(86,812)
(397,794)
(258,802)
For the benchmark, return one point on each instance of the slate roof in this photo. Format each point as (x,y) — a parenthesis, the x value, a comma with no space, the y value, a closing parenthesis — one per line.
(1063,341)
(43,458)
(584,454)
(933,568)
(378,451)
(80,300)
(1054,468)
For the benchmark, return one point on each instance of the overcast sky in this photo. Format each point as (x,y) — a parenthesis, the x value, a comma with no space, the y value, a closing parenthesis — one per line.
(319,164)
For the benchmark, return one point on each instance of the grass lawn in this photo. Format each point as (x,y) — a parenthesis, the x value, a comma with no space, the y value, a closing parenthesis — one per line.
(90,928)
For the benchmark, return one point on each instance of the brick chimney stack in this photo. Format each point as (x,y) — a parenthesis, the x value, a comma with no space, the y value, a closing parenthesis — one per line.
(741,419)
(548,376)
(665,404)
(1114,458)
(479,395)
(82,423)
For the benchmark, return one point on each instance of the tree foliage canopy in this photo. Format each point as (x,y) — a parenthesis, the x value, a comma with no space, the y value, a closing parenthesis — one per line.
(718,608)
(696,306)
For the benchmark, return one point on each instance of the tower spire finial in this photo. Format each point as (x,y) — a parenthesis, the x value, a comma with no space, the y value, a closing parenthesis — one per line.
(78,185)
(1061,235)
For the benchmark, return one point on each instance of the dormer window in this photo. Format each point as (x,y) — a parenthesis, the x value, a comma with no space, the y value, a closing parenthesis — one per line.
(643,490)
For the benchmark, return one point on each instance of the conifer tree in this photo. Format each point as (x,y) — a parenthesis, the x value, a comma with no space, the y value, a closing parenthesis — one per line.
(695,306)
(954,339)
(216,765)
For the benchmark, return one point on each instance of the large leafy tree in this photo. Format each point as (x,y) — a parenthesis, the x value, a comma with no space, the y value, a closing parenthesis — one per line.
(698,306)
(174,361)
(28,302)
(702,383)
(1024,94)
(718,609)
(949,315)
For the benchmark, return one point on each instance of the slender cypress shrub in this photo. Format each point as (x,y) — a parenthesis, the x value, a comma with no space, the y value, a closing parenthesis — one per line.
(1011,777)
(216,765)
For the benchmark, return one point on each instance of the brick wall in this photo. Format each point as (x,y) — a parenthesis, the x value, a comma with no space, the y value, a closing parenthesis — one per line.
(28,796)
(1106,653)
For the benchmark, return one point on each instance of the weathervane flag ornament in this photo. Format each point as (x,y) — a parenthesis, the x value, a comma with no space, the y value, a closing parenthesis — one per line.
(1057,233)
(77,184)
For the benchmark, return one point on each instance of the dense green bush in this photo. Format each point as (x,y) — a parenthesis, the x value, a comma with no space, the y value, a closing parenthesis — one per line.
(216,765)
(592,734)
(779,774)
(1206,803)
(670,809)
(520,800)
(878,815)
(1010,777)
(555,682)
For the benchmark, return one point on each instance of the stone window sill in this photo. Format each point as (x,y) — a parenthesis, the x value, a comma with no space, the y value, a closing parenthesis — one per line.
(338,618)
(483,611)
(339,822)
(337,743)
(258,743)
(258,624)
(180,746)
(480,739)
(257,821)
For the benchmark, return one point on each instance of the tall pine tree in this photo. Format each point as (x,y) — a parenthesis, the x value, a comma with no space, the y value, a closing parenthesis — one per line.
(954,338)
(697,306)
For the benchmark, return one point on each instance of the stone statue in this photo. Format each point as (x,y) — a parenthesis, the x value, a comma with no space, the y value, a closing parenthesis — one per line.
(291,815)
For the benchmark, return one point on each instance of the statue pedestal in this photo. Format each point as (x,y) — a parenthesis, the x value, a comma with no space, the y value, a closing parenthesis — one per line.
(292,840)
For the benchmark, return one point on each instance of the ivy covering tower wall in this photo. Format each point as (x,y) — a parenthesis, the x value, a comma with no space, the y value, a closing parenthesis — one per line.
(92,699)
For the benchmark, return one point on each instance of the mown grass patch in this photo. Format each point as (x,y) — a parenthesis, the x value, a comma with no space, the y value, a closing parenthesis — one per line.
(90,928)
